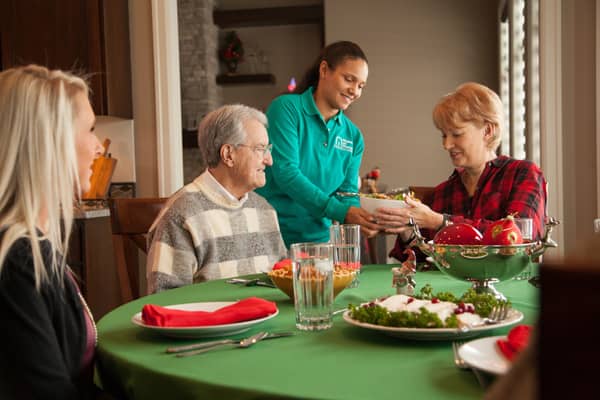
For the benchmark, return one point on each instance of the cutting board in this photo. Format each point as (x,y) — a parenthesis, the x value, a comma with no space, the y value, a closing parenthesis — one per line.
(102,172)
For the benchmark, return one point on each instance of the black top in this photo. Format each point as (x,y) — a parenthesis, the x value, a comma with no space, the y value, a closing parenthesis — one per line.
(42,333)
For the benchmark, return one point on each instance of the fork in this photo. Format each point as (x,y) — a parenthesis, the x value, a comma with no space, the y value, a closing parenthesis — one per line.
(458,360)
(496,315)
(461,364)
(244,343)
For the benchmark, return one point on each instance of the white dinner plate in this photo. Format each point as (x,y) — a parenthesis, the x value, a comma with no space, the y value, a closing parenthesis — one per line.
(201,331)
(485,355)
(514,316)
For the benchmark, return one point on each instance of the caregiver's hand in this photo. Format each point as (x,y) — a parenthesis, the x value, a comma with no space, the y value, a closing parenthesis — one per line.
(368,226)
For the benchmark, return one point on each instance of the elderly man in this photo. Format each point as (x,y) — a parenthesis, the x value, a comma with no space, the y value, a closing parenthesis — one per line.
(217,227)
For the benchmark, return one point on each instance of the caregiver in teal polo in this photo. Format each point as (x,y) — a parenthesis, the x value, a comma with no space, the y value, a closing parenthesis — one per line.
(317,150)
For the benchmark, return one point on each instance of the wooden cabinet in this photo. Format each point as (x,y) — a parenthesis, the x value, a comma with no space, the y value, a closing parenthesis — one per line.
(91,256)
(90,37)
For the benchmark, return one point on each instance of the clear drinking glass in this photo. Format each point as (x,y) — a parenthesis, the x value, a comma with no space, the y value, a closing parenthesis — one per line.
(312,265)
(346,248)
(525,225)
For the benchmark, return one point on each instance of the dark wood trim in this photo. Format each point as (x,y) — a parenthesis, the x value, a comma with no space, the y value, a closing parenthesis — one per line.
(96,59)
(236,79)
(292,15)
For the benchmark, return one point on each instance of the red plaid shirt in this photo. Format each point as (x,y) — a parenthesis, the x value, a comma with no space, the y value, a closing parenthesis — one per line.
(506,186)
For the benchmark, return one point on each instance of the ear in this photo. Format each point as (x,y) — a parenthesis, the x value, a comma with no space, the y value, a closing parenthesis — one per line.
(490,129)
(323,67)
(227,155)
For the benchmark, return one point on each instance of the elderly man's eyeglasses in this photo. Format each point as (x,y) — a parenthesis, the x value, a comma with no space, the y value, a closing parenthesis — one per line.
(262,150)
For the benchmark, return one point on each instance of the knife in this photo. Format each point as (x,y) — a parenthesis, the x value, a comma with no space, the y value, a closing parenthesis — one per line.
(212,343)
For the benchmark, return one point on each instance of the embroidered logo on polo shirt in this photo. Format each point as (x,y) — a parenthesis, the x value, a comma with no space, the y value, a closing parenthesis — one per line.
(343,144)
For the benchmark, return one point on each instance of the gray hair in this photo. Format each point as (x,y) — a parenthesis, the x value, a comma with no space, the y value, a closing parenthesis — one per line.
(225,125)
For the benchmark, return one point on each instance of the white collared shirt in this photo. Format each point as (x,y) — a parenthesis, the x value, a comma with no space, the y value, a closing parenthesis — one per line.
(211,182)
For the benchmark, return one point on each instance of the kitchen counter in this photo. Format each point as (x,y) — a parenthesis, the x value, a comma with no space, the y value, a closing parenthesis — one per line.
(88,212)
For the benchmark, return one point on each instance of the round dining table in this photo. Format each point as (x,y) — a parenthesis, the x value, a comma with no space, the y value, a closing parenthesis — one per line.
(344,362)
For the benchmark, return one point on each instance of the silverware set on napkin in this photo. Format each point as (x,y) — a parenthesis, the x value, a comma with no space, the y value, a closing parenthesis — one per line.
(199,348)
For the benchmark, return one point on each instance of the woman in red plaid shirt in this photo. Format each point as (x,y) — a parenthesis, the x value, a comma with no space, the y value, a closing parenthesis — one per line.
(484,187)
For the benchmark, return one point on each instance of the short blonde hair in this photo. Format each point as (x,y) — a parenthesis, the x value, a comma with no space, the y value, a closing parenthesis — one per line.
(474,103)
(38,161)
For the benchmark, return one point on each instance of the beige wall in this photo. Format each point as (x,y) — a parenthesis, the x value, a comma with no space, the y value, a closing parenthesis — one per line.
(417,51)
(579,120)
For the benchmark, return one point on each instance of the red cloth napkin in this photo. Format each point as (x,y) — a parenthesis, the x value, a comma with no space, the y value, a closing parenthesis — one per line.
(515,342)
(244,310)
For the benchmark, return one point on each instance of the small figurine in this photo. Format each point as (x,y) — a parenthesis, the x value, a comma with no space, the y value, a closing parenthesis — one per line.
(404,276)
(371,178)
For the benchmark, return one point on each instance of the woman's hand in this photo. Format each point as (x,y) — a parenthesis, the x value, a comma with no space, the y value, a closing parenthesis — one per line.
(395,219)
(368,226)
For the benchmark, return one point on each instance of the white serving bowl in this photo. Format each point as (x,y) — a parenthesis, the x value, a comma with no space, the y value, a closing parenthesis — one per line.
(371,204)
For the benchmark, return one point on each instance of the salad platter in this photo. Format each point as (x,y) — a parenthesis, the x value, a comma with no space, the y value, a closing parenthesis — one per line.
(434,316)
(514,316)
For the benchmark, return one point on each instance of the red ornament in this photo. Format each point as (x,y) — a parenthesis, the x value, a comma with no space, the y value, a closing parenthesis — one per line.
(463,234)
(503,232)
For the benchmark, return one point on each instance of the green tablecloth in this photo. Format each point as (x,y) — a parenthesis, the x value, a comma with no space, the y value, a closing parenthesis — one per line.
(344,362)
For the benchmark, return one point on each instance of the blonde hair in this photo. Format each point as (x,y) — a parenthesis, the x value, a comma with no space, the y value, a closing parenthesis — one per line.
(474,103)
(38,161)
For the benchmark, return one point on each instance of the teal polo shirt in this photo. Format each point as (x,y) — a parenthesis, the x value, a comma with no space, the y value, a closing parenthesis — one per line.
(312,159)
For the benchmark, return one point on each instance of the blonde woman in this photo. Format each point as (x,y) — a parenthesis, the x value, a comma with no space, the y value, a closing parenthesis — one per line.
(47,146)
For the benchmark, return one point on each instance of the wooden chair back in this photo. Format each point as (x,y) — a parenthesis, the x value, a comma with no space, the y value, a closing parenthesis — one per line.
(130,221)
